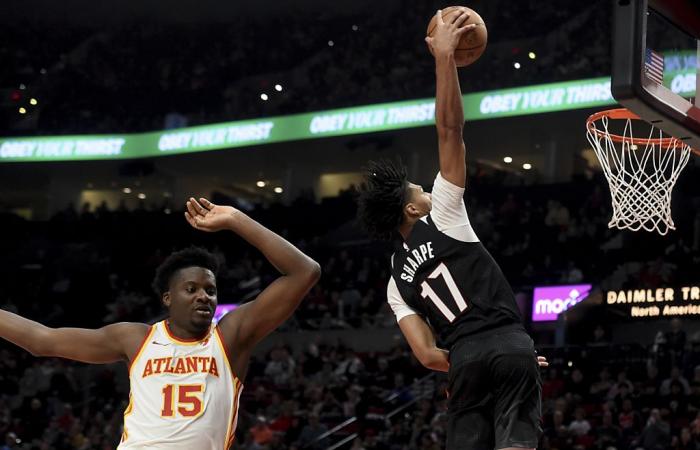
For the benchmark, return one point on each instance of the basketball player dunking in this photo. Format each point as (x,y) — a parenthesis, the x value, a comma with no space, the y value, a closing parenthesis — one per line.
(446,287)
(186,374)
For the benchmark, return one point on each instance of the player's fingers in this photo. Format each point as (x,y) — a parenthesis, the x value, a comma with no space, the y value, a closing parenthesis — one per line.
(199,208)
(438,17)
(206,203)
(466,28)
(191,209)
(190,220)
(460,18)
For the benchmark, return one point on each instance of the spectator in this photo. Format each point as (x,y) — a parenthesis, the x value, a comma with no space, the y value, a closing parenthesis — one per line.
(685,441)
(608,434)
(11,442)
(602,386)
(576,384)
(657,433)
(675,377)
(579,426)
(676,339)
(629,419)
(281,366)
(623,384)
(261,433)
(311,432)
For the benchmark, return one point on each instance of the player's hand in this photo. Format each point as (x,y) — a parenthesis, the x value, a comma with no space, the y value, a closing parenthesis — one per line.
(206,216)
(542,361)
(447,34)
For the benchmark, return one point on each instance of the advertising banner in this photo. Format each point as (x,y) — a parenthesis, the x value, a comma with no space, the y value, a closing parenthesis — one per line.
(549,301)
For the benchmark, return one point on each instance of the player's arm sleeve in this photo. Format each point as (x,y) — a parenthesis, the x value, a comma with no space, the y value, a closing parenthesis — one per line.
(396,301)
(449,211)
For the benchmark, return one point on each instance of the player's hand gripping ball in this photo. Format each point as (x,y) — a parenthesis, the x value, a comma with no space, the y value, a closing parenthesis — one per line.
(472,42)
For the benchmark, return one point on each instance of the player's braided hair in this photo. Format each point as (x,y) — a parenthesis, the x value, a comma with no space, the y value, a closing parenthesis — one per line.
(382,197)
(188,257)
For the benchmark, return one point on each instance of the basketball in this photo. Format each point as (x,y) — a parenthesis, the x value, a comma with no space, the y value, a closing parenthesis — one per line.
(473,43)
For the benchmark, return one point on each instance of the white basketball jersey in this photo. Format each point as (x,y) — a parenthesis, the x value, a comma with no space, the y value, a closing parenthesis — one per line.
(183,394)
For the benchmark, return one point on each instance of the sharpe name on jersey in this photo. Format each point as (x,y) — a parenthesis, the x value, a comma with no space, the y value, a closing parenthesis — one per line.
(415,259)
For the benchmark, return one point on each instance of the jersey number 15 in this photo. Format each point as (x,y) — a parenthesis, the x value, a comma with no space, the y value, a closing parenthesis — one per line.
(428,292)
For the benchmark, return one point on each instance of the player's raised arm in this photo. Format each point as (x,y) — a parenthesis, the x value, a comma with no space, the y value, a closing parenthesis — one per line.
(253,321)
(112,343)
(449,116)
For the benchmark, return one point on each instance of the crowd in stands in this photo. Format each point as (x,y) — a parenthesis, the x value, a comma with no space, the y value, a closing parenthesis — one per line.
(138,76)
(94,266)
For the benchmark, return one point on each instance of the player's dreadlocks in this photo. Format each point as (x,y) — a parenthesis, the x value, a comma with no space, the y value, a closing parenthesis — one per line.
(382,197)
(188,257)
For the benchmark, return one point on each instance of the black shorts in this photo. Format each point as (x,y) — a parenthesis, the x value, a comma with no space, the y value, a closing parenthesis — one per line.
(494,393)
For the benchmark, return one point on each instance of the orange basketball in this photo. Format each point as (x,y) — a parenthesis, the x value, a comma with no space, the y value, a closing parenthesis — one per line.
(473,43)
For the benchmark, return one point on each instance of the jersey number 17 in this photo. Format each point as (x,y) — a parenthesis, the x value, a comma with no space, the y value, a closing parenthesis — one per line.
(428,292)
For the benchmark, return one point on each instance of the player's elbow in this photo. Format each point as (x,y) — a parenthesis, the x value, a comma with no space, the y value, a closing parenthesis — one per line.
(450,131)
(433,359)
(312,272)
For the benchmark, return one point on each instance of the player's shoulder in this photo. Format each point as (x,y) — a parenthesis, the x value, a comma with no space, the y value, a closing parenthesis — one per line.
(129,336)
(128,329)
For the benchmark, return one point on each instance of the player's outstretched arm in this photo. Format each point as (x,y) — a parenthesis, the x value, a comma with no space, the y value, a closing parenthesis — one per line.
(422,341)
(248,324)
(449,116)
(116,342)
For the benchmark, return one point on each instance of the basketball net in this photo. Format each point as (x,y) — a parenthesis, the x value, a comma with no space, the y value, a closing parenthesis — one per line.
(641,172)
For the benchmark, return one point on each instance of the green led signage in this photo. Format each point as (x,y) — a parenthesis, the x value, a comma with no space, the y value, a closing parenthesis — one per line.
(340,122)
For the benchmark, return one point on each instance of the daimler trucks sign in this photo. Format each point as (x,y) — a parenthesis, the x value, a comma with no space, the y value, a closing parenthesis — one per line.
(656,303)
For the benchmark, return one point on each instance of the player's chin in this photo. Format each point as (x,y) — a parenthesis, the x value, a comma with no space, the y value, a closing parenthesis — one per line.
(200,320)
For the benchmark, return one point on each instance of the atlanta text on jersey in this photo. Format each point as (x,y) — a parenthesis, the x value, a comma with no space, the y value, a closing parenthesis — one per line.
(181,366)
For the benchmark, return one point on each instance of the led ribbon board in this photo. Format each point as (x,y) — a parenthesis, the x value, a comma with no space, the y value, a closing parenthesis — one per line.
(340,122)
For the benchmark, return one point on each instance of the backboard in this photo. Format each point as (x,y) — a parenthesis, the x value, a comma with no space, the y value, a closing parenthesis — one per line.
(656,64)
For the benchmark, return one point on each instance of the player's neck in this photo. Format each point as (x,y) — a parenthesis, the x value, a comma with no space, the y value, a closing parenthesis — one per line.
(183,333)
(406,227)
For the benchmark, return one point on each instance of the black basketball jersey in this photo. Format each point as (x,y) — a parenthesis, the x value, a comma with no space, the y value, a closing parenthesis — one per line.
(457,286)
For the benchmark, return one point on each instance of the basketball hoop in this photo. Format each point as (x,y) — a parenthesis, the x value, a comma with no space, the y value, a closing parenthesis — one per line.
(641,171)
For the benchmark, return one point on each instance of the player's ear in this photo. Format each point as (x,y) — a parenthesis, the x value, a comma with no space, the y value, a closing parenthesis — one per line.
(166,299)
(411,210)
